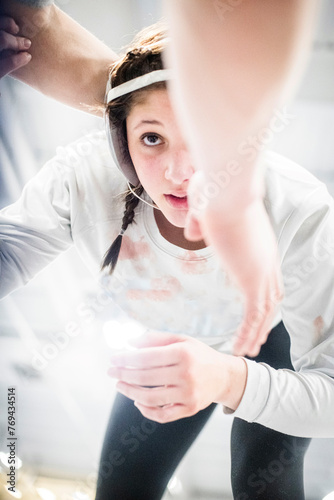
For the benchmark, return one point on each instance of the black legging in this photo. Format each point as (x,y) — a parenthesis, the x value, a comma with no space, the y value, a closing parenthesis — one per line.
(139,456)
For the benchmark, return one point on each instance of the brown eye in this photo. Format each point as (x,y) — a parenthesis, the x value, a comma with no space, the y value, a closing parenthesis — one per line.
(151,140)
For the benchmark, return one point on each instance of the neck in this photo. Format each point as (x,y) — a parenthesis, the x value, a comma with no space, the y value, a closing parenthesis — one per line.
(174,234)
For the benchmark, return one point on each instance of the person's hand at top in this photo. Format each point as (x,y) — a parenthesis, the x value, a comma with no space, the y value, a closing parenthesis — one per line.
(74,73)
(13,48)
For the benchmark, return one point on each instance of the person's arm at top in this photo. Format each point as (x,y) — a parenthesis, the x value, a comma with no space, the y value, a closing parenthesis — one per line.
(68,63)
(235,63)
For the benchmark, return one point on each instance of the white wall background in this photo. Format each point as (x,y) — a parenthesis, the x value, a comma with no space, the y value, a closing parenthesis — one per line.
(63,408)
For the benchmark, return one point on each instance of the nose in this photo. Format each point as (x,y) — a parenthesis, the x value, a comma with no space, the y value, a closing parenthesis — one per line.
(179,167)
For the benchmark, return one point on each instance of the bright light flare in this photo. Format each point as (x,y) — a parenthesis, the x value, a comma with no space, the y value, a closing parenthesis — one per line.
(15,494)
(330,496)
(118,334)
(174,486)
(78,495)
(46,494)
(4,460)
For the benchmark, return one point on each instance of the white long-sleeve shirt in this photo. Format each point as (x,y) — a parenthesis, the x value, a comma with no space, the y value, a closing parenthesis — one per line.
(76,198)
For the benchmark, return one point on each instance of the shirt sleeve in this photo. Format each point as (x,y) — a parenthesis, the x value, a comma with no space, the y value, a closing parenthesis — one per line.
(301,403)
(37,228)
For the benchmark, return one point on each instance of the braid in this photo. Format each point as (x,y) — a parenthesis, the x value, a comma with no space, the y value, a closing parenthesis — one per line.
(111,256)
(131,201)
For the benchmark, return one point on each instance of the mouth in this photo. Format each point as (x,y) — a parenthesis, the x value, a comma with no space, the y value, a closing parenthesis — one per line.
(177,201)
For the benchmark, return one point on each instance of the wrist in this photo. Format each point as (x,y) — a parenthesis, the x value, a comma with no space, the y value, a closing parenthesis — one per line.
(234,383)
(237,219)
(216,190)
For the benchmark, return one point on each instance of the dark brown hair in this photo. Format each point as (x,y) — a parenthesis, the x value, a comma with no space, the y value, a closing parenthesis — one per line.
(142,56)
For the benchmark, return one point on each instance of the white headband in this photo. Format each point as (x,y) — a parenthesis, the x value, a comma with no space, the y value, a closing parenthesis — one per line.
(159,75)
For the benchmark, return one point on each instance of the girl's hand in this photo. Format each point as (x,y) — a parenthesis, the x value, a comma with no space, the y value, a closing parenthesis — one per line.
(13,48)
(174,376)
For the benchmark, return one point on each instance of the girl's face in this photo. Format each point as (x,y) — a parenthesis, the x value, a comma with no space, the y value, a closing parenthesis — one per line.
(160,155)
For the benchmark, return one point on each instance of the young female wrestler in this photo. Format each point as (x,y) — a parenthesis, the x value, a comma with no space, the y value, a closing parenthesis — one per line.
(183,367)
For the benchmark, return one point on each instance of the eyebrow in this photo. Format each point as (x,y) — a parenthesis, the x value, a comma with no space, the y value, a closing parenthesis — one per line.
(147,122)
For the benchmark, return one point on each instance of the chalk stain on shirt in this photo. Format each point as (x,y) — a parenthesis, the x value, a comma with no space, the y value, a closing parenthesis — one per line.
(318,325)
(193,264)
(134,250)
(162,289)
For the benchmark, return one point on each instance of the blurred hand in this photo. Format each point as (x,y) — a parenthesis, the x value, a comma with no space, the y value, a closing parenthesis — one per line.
(247,247)
(174,376)
(13,48)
